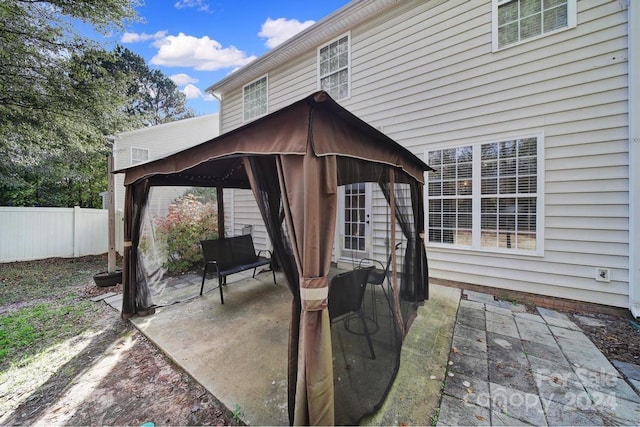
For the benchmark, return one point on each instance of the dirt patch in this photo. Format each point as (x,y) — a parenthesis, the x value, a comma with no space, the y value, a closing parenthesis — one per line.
(112,376)
(617,337)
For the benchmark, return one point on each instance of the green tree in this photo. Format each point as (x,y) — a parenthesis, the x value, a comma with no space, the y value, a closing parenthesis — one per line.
(43,111)
(153,97)
(39,103)
(61,94)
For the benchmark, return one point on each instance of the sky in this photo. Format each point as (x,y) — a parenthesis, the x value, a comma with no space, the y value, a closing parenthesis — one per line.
(196,43)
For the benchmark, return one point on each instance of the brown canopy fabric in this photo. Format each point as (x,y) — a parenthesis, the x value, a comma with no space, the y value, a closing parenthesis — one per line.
(317,120)
(305,151)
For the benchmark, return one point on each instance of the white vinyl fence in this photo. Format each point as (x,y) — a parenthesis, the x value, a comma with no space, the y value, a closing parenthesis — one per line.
(38,233)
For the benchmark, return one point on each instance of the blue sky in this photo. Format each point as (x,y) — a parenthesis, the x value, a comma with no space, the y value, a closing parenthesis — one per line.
(198,42)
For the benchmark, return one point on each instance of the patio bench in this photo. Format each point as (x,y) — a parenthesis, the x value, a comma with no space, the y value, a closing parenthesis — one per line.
(231,255)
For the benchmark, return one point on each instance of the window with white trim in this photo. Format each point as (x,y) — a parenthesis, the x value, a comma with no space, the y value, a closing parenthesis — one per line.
(254,99)
(487,196)
(139,155)
(333,68)
(519,20)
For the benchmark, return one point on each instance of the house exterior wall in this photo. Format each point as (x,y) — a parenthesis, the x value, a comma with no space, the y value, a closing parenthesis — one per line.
(425,74)
(159,140)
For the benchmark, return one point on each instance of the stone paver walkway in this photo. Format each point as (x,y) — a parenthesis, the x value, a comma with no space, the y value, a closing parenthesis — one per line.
(511,367)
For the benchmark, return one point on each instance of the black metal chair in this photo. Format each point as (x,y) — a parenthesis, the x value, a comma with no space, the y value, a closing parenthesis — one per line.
(377,277)
(346,293)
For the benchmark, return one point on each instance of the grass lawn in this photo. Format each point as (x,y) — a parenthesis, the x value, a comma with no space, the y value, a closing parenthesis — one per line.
(65,360)
(45,318)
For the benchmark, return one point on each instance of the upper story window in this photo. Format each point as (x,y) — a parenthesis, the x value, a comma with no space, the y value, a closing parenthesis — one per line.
(333,68)
(487,196)
(515,21)
(254,99)
(139,155)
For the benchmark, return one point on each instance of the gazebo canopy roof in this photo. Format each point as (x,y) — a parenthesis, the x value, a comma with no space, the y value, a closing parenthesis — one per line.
(294,160)
(317,120)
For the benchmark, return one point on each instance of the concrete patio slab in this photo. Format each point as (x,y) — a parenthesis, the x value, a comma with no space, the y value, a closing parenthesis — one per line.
(414,397)
(564,415)
(550,351)
(102,296)
(629,370)
(454,368)
(467,345)
(236,350)
(555,318)
(546,372)
(479,297)
(517,404)
(468,389)
(454,412)
(535,332)
(471,304)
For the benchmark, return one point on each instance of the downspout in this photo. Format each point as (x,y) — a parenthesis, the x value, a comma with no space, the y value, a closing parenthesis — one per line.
(218,96)
(634,156)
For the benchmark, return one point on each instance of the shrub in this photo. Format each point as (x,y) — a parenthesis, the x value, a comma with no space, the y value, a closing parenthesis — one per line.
(189,220)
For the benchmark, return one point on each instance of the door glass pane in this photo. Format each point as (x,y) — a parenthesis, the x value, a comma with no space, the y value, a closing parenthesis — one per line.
(355,217)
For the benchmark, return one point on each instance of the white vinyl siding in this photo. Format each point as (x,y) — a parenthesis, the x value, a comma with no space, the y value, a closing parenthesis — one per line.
(427,75)
(246,212)
(516,21)
(255,99)
(333,67)
(162,139)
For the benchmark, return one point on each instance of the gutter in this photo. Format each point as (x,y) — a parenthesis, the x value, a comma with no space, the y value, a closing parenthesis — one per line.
(325,29)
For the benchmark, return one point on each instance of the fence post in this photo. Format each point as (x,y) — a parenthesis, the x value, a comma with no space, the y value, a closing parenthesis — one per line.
(76,231)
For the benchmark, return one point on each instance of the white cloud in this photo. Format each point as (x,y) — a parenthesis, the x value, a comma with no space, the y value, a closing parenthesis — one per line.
(192,92)
(279,30)
(135,37)
(209,97)
(201,5)
(203,54)
(183,79)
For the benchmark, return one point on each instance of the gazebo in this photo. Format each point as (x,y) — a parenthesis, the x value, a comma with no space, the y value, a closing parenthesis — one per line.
(294,160)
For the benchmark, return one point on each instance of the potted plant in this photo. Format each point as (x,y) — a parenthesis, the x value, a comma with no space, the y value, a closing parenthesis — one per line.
(106,278)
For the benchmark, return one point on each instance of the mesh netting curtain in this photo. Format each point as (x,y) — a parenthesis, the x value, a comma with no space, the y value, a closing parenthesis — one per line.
(164,268)
(359,362)
(266,189)
(361,373)
(409,214)
(136,296)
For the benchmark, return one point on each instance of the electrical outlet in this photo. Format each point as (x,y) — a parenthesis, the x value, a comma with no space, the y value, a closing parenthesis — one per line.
(603,274)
